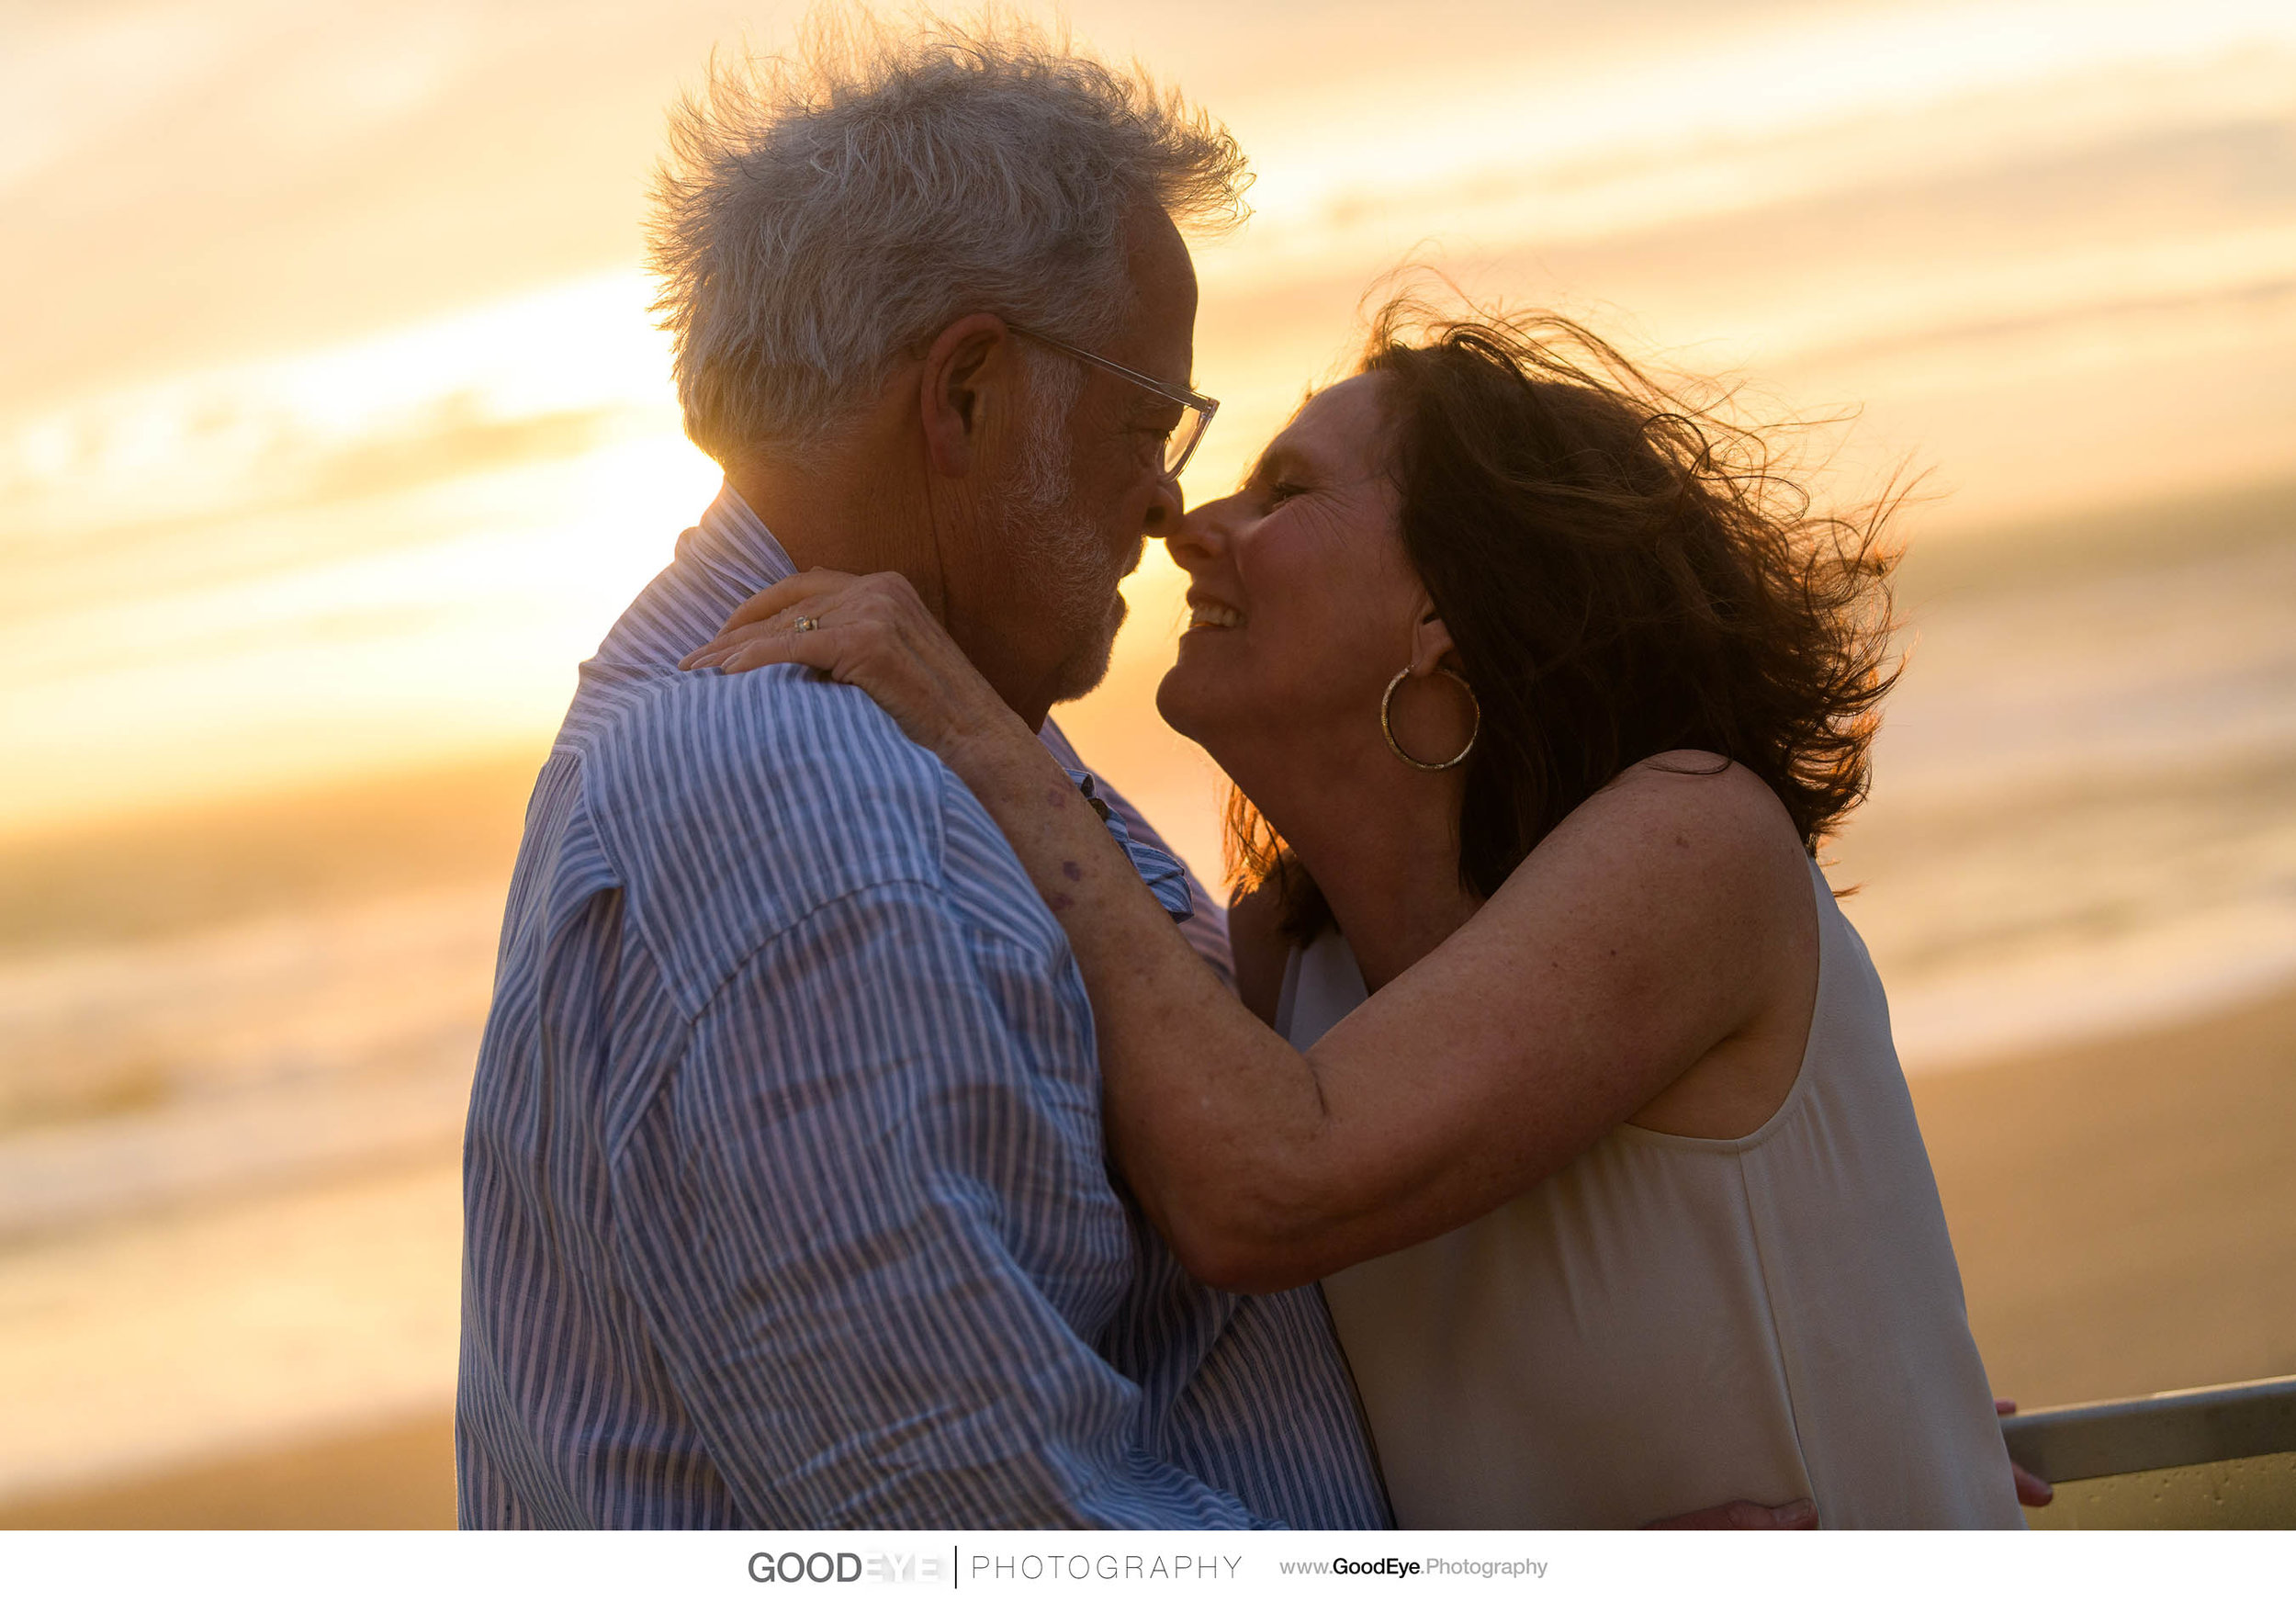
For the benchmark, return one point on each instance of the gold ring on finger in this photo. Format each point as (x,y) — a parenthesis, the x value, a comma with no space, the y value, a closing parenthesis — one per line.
(805,625)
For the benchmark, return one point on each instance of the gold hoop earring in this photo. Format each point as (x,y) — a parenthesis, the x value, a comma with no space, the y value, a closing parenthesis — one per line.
(1388,729)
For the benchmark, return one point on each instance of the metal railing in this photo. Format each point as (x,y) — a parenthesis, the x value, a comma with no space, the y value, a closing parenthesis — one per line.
(2223,1455)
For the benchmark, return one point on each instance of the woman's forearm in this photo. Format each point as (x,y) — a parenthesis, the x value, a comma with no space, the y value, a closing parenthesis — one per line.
(1210,1113)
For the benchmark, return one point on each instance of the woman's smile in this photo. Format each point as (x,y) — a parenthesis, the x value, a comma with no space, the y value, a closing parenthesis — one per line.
(1203,612)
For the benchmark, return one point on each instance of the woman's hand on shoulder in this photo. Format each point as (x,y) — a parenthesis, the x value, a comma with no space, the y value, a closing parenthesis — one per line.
(873,631)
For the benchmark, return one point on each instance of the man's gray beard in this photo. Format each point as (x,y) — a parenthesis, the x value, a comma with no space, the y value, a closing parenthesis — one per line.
(1067,561)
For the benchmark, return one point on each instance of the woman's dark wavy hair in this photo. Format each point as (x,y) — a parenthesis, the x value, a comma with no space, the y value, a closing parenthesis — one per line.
(1623,572)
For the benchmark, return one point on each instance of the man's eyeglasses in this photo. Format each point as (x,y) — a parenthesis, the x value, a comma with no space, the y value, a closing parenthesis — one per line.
(1196,410)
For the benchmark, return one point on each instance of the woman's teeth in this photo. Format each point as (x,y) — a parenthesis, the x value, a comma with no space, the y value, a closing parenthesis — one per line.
(1212,614)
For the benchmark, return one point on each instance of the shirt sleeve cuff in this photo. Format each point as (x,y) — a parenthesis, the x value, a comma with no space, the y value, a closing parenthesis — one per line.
(1159,870)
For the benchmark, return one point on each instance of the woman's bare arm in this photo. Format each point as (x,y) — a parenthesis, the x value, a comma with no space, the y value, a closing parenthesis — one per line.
(1617,956)
(1636,937)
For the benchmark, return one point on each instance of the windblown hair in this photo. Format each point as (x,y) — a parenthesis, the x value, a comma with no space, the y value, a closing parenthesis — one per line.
(822,213)
(1623,572)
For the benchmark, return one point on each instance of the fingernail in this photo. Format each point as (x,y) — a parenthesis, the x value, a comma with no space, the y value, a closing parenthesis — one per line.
(1795,1512)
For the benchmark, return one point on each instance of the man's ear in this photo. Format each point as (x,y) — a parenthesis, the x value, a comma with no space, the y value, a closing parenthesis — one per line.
(1430,641)
(965,390)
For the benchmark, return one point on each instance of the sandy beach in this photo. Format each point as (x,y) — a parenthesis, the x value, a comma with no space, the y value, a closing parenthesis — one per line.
(2124,1211)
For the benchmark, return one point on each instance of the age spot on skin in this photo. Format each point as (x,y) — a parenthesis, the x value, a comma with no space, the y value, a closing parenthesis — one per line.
(1074,873)
(1060,903)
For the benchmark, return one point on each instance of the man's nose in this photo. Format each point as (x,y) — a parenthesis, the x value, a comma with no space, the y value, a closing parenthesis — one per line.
(1164,509)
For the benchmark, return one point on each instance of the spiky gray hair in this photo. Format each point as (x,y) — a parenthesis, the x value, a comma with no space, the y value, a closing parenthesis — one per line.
(823,213)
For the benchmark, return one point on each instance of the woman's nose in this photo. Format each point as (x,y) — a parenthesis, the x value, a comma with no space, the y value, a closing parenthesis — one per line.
(1199,536)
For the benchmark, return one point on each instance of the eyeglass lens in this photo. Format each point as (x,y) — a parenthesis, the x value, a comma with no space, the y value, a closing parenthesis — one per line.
(1181,442)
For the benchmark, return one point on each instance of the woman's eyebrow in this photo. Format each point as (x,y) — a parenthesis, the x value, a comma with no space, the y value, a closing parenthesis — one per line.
(1277,458)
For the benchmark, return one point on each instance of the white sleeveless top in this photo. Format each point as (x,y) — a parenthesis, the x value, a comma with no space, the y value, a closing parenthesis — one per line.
(1671,1323)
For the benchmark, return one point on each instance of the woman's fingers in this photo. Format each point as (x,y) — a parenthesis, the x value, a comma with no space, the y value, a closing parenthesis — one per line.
(872,631)
(715,654)
(764,650)
(865,652)
(809,593)
(1801,1515)
(2032,1489)
(823,596)
(731,637)
(790,591)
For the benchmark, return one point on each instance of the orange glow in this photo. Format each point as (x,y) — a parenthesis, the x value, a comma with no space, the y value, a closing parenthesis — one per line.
(376,548)
(335,432)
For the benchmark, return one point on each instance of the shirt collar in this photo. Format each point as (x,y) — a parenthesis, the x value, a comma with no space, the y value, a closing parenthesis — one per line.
(733,543)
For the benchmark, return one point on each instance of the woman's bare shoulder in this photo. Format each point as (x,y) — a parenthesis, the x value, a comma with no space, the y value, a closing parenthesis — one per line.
(1753,884)
(1696,800)
(1684,868)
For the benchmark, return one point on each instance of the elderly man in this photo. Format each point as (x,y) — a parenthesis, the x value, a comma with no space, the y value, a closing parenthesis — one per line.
(786,1195)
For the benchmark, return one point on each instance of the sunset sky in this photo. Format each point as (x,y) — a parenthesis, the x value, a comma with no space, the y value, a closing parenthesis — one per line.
(333,431)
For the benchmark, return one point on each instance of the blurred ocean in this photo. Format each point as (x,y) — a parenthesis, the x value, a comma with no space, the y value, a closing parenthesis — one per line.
(2083,805)
(2084,815)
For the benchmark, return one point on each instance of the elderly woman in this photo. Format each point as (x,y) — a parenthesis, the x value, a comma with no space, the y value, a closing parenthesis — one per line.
(1554,1060)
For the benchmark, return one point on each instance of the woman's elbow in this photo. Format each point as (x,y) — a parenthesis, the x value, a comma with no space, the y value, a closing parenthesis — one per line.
(1252,1222)
(1239,1251)
(1242,1268)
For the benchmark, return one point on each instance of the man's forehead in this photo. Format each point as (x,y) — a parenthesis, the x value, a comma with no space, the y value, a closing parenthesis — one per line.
(1163,290)
(1158,254)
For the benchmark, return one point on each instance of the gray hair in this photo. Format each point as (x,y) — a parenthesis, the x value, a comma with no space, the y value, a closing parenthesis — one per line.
(822,214)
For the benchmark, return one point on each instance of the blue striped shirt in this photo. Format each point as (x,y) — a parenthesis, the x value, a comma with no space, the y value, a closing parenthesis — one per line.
(786,1202)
